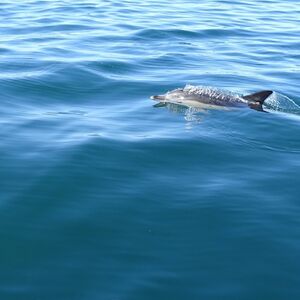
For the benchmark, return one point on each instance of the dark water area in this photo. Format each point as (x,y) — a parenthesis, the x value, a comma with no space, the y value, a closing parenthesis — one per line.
(103,196)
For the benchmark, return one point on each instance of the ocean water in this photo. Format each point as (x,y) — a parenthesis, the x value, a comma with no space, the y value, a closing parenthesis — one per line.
(103,196)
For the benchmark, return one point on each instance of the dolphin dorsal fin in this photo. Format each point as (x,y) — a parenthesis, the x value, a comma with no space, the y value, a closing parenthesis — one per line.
(258,97)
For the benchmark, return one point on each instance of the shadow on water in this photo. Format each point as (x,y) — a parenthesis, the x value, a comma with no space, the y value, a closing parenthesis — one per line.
(243,127)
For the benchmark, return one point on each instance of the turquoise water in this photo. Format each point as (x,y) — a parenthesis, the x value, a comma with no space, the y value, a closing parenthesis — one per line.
(103,196)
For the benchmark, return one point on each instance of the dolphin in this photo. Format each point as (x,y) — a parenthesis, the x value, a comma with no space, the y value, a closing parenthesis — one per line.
(208,97)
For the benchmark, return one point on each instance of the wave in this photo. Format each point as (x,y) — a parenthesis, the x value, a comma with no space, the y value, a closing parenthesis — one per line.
(166,33)
(280,103)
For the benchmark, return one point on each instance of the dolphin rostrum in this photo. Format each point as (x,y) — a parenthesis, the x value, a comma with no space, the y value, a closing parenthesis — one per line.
(206,97)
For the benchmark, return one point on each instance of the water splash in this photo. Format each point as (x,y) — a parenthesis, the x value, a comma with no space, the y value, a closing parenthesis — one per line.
(280,103)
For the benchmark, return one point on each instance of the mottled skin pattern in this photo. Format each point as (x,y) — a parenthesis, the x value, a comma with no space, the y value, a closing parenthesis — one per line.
(205,95)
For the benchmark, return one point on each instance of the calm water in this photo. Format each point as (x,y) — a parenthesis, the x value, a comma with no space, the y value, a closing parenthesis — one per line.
(103,196)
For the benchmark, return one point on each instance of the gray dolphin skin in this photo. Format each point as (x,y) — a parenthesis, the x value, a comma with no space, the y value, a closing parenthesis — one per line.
(208,97)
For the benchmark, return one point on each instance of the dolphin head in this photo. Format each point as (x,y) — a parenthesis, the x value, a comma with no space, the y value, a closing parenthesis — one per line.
(158,97)
(174,96)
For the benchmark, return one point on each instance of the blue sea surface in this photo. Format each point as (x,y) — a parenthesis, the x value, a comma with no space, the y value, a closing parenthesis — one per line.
(103,196)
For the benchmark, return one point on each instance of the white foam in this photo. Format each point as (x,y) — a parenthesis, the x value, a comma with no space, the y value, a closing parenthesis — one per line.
(281,103)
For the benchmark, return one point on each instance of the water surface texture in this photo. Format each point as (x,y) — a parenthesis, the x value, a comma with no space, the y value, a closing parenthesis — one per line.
(103,196)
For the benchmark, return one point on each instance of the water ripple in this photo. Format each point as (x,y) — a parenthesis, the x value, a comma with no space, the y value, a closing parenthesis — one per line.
(104,195)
